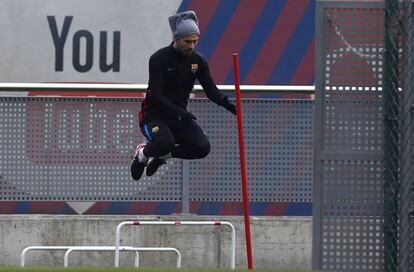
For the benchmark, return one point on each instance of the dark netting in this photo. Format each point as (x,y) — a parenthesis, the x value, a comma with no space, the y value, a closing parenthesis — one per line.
(391,100)
(406,205)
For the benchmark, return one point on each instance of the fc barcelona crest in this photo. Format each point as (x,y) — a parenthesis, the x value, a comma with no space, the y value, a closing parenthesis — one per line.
(194,68)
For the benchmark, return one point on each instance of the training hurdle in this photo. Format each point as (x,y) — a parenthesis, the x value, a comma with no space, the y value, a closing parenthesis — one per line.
(177,223)
(70,249)
(30,248)
(123,248)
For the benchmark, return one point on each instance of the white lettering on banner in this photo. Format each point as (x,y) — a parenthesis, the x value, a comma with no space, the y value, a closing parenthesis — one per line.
(76,132)
(59,40)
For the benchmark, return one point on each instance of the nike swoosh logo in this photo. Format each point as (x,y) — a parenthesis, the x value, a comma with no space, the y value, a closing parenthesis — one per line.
(169,69)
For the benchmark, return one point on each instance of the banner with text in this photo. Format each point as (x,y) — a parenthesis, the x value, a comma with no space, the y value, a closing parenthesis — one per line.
(82,40)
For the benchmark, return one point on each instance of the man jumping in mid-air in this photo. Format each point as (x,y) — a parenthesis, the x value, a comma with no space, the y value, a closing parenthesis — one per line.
(170,129)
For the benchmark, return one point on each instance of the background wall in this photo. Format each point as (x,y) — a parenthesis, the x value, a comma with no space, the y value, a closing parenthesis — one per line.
(275,39)
(110,41)
(277,242)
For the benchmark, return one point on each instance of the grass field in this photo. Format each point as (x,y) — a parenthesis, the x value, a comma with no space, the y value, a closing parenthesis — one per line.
(88,269)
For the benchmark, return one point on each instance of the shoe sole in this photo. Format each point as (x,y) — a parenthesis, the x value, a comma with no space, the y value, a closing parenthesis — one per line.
(137,169)
(153,166)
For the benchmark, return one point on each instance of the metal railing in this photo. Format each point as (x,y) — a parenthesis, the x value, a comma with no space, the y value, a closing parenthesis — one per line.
(142,87)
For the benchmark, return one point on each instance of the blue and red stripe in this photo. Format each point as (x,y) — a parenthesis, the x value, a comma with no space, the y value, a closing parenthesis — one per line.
(136,207)
(205,10)
(235,35)
(278,39)
(303,74)
(274,39)
(251,48)
(160,208)
(35,207)
(203,208)
(216,26)
(296,48)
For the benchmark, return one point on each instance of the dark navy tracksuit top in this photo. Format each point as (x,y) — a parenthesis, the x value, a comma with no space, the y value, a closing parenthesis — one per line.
(171,79)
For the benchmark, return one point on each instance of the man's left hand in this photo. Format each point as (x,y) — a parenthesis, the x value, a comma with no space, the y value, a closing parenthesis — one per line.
(229,106)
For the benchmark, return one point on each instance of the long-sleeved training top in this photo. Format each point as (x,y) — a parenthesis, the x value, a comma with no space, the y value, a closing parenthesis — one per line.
(171,79)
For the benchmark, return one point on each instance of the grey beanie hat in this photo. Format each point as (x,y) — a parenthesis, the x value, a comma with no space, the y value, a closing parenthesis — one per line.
(183,24)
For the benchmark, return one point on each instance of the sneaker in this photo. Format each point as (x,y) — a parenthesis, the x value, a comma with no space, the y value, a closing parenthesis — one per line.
(137,167)
(153,165)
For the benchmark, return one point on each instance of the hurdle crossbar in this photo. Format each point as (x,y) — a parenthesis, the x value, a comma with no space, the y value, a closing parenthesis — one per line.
(177,223)
(30,248)
(123,248)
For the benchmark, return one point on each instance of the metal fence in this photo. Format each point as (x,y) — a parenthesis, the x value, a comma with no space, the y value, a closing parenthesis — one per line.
(363,193)
(79,148)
